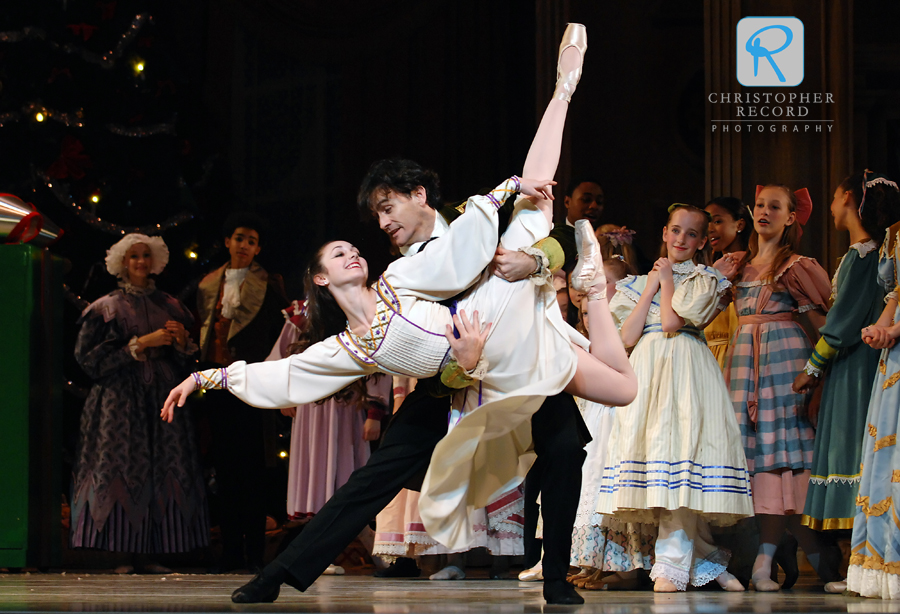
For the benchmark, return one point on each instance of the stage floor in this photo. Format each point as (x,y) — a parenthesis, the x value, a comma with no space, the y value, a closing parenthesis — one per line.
(82,592)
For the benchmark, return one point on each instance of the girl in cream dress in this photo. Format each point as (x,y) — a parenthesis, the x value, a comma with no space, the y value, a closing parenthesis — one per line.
(675,457)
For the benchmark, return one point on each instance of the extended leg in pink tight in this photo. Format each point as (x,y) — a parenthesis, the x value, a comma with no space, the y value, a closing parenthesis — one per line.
(543,155)
(605,375)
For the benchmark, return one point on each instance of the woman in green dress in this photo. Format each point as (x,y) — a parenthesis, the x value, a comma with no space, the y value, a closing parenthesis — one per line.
(847,363)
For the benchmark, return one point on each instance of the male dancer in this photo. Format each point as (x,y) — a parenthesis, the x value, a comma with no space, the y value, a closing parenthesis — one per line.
(405,197)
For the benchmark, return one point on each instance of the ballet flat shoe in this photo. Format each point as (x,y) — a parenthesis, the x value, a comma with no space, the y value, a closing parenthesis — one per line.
(574,36)
(588,271)
(535,574)
(836,587)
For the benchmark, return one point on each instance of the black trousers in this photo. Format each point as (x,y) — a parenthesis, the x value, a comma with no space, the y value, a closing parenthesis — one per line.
(238,455)
(401,461)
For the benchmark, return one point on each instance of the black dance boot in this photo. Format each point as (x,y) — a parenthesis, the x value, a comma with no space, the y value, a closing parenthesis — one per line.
(786,557)
(263,588)
(560,592)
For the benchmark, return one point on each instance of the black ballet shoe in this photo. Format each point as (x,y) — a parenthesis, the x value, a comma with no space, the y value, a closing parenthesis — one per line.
(260,589)
(786,557)
(403,567)
(560,592)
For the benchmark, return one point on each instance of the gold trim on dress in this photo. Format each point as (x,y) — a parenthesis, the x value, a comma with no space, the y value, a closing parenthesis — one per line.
(873,431)
(885,442)
(828,524)
(891,380)
(876,510)
(882,366)
(873,561)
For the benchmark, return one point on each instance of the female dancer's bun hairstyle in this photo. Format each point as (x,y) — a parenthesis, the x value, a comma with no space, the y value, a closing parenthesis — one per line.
(881,205)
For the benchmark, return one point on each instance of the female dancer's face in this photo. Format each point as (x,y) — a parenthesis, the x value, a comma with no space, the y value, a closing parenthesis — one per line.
(138,263)
(684,234)
(843,208)
(342,266)
(772,212)
(723,229)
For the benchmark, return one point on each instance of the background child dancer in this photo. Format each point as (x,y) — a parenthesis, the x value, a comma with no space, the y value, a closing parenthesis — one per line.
(768,351)
(730,225)
(675,456)
(857,302)
(603,546)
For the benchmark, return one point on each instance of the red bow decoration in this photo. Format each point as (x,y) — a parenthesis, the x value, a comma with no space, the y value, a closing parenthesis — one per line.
(72,160)
(82,29)
(804,205)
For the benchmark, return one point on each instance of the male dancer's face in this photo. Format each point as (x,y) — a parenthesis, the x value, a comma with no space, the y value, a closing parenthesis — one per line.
(407,218)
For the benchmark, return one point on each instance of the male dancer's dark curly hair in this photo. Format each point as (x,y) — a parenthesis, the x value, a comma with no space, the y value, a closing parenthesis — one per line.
(400,176)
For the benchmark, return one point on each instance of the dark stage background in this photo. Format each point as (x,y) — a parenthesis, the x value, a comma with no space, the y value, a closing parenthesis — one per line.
(281,105)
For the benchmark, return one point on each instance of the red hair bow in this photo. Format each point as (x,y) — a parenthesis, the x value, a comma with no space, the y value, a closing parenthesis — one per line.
(804,205)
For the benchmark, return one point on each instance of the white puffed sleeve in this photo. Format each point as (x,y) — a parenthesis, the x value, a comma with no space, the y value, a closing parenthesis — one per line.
(317,373)
(696,298)
(626,297)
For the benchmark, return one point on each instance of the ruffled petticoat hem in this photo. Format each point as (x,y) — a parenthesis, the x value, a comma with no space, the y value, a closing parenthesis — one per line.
(873,582)
(702,571)
(651,516)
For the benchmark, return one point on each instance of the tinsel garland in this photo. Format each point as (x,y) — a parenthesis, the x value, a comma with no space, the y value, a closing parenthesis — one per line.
(74,120)
(59,189)
(105,60)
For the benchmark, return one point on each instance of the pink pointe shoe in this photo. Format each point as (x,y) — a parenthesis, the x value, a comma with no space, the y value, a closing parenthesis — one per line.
(574,36)
(588,275)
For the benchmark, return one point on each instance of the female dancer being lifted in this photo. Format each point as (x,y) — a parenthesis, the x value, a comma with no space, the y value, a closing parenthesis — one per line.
(397,326)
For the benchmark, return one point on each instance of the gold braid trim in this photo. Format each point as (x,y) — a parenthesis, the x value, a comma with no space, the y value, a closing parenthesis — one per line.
(882,367)
(876,510)
(828,524)
(891,380)
(873,561)
(885,442)
(873,431)
(895,476)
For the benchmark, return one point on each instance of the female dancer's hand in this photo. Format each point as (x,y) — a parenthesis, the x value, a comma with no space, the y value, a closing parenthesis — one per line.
(663,267)
(157,338)
(728,265)
(177,398)
(804,382)
(877,337)
(371,429)
(179,334)
(467,349)
(538,188)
